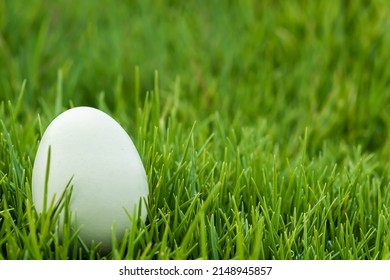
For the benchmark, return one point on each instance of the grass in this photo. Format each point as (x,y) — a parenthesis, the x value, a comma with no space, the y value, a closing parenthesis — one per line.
(263,126)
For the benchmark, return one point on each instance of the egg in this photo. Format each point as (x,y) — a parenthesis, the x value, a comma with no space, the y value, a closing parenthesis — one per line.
(89,149)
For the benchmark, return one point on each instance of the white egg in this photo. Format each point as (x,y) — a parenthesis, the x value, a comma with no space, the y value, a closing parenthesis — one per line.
(108,177)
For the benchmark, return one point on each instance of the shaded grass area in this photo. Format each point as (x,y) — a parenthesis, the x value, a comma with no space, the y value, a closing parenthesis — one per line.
(264,131)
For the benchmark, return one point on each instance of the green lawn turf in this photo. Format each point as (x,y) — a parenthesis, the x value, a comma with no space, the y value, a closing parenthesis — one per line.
(264,126)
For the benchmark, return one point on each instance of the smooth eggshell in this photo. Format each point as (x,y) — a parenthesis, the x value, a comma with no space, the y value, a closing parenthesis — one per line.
(108,175)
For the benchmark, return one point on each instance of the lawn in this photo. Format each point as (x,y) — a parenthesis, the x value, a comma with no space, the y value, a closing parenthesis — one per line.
(263,126)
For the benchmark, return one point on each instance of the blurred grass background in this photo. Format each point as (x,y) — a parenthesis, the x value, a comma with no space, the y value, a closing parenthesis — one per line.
(294,64)
(277,79)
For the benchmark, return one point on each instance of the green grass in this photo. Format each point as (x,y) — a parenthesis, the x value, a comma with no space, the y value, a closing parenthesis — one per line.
(263,126)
